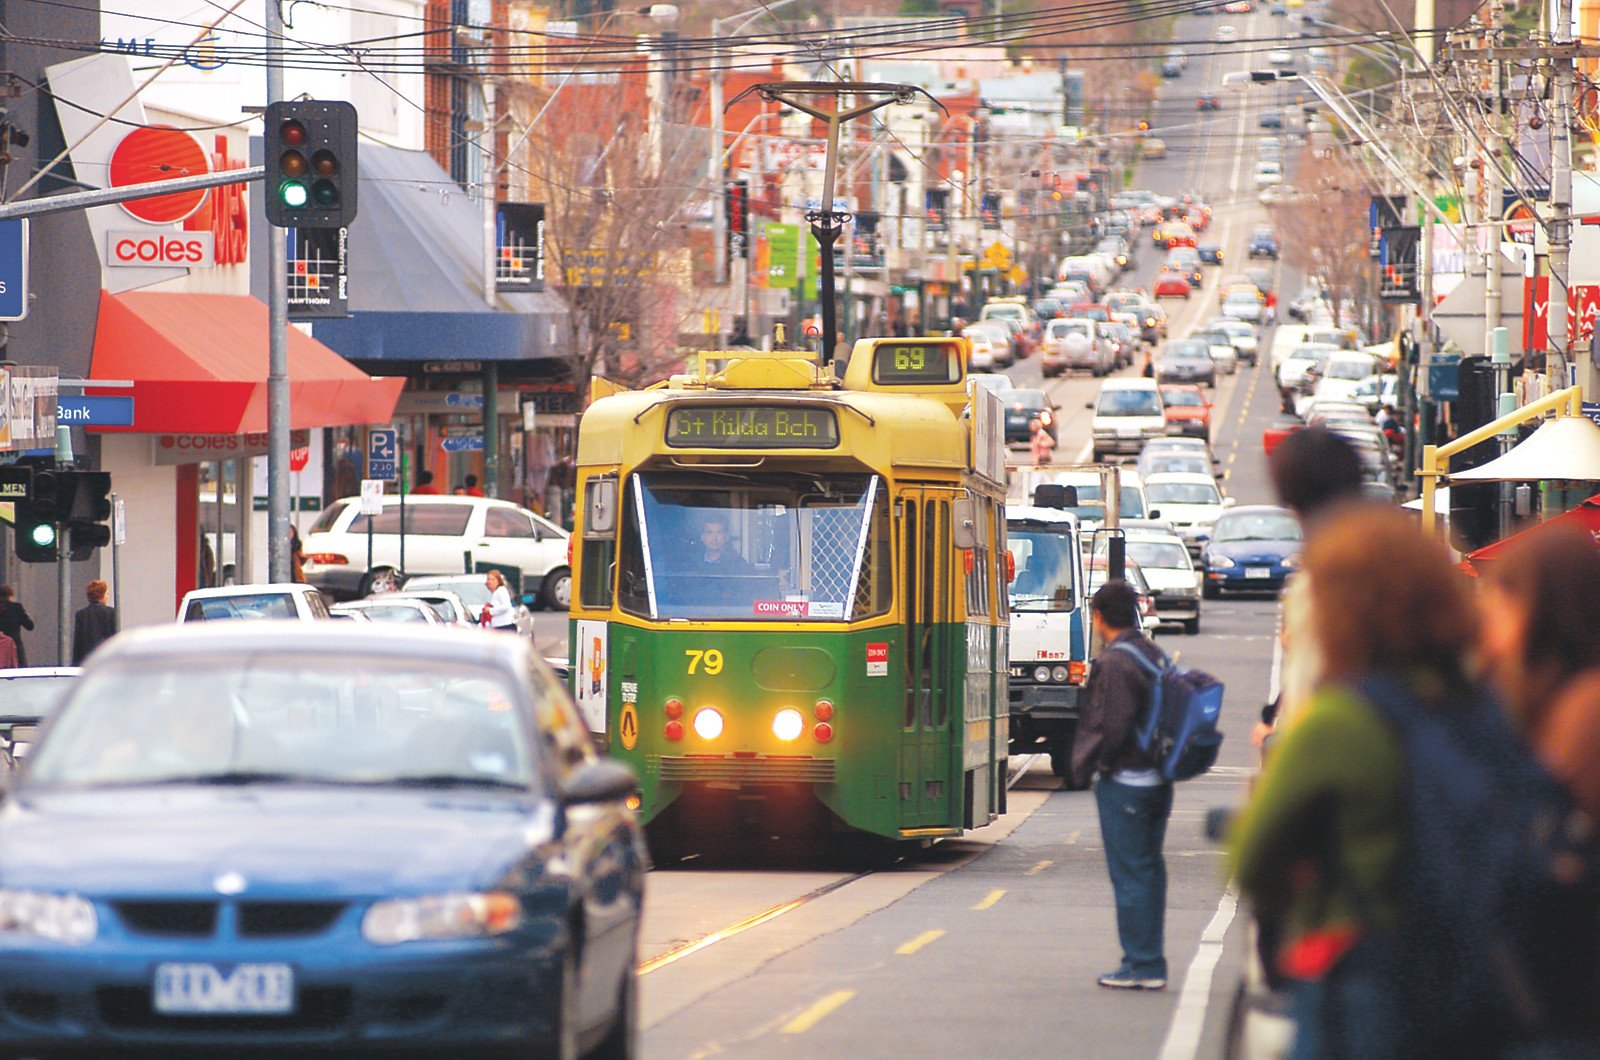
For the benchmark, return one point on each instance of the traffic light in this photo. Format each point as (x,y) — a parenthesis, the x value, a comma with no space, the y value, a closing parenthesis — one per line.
(87,513)
(36,528)
(310,154)
(1144,125)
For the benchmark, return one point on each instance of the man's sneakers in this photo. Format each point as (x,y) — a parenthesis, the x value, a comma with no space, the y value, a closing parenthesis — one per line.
(1122,979)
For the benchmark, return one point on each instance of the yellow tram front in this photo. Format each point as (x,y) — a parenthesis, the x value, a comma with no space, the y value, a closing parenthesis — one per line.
(789,605)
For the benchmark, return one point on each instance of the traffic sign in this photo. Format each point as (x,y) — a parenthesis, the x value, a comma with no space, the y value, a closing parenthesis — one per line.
(13,269)
(383,450)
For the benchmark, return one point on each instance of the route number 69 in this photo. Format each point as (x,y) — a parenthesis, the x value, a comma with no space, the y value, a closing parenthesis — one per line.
(711,660)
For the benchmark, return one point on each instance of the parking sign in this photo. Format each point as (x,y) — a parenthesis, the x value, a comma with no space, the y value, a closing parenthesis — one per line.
(383,453)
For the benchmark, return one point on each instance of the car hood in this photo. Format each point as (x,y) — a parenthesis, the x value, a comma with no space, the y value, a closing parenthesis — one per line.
(179,839)
(1188,513)
(1243,552)
(1160,578)
(1112,424)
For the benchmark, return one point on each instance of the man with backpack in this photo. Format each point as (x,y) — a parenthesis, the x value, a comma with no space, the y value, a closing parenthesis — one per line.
(1133,797)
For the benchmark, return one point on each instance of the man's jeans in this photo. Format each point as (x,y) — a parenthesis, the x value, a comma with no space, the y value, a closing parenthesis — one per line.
(1133,825)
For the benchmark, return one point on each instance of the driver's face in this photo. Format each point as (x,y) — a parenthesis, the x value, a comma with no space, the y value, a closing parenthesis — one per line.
(714,536)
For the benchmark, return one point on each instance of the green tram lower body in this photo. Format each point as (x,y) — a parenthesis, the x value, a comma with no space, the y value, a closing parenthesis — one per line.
(897,733)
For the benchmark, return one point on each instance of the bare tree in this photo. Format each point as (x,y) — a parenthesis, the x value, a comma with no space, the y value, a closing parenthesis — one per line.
(619,180)
(1324,225)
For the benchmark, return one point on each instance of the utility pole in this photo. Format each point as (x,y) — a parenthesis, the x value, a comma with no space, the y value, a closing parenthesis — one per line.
(1562,71)
(714,168)
(1490,176)
(278,565)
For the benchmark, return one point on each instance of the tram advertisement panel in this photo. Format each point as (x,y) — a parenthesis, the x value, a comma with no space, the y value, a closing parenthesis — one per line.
(591,676)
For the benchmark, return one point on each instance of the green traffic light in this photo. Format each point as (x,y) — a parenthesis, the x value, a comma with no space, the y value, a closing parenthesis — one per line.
(293,194)
(43,535)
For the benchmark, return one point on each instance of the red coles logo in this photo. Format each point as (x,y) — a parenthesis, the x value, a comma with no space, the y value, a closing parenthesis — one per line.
(146,248)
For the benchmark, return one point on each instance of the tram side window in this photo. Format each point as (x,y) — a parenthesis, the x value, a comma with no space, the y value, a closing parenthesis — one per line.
(598,559)
(1001,550)
(977,567)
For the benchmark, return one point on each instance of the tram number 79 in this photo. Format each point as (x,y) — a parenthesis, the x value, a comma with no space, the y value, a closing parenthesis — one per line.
(711,660)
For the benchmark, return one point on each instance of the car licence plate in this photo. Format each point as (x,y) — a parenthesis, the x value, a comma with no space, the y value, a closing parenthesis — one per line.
(206,990)
(1258,572)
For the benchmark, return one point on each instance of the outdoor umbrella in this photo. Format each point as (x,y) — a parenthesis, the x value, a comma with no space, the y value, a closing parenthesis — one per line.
(1567,447)
(1585,515)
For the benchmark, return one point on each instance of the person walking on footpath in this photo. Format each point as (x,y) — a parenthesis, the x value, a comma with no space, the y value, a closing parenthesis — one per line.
(94,624)
(14,618)
(1134,802)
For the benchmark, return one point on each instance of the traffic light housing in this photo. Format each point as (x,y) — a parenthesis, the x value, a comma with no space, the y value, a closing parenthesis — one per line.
(88,513)
(311,161)
(38,518)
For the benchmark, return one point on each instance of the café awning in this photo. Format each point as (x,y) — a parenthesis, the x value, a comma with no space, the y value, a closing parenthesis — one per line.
(1567,447)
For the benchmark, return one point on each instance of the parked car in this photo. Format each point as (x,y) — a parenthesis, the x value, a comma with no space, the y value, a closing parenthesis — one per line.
(1188,410)
(441,533)
(280,839)
(28,695)
(473,593)
(386,608)
(291,600)
(1252,548)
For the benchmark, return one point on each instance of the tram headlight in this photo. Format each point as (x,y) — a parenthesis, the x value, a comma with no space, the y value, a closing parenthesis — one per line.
(1041,674)
(1059,675)
(788,724)
(708,724)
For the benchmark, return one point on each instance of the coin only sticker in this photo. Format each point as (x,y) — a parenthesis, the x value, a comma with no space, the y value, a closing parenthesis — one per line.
(628,726)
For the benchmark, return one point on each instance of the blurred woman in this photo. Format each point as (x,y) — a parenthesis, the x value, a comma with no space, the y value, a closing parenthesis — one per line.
(1318,849)
(1040,443)
(1541,644)
(499,613)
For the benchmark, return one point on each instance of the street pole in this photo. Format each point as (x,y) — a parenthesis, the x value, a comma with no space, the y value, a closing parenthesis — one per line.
(278,565)
(63,547)
(1560,226)
(714,169)
(1491,186)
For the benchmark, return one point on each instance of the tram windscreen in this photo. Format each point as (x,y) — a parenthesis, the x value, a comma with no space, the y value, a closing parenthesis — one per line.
(771,546)
(1044,562)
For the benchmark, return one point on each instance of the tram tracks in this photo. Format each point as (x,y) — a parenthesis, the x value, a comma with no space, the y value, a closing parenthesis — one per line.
(695,945)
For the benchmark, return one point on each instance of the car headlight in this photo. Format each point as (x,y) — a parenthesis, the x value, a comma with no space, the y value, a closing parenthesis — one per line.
(1060,674)
(1292,562)
(57,917)
(1219,562)
(441,916)
(1041,674)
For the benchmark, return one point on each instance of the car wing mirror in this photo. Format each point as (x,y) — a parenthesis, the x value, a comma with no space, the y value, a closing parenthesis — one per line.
(597,782)
(528,599)
(1228,502)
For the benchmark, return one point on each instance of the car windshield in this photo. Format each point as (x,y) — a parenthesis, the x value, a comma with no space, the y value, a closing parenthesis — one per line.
(1185,398)
(1182,493)
(393,611)
(1243,298)
(1263,235)
(33,696)
(473,591)
(243,605)
(996,312)
(1350,369)
(1256,526)
(271,716)
(1091,509)
(1024,399)
(1160,555)
(1213,338)
(1060,329)
(1175,463)
(1129,403)
(1043,557)
(1187,350)
(772,546)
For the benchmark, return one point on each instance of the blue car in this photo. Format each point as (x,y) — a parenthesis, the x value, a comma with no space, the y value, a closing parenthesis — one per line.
(318,838)
(1252,549)
(1264,244)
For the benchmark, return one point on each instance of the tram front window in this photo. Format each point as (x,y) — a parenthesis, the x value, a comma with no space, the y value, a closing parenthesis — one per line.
(1044,570)
(775,546)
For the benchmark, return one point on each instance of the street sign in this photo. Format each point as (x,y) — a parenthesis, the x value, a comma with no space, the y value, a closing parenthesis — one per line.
(371,496)
(462,444)
(383,450)
(13,269)
(119,522)
(90,411)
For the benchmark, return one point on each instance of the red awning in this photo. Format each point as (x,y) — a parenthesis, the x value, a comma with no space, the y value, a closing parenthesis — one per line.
(1585,515)
(199,366)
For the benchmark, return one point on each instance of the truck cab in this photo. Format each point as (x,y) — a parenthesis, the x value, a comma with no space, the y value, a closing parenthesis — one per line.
(1049,637)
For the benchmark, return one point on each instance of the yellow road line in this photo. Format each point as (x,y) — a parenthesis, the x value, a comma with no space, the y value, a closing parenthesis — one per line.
(906,949)
(811,1016)
(1038,868)
(989,900)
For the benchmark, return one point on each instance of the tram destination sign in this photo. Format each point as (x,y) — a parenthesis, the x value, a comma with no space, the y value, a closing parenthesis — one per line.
(752,427)
(919,363)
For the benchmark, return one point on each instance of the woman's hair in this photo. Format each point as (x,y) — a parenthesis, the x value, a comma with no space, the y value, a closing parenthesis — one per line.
(1555,574)
(96,591)
(496,577)
(1385,596)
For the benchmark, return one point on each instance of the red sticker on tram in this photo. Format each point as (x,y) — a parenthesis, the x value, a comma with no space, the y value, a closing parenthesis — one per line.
(877,660)
(782,608)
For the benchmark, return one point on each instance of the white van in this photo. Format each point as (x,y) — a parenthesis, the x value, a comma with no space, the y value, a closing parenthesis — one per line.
(1128,414)
(1093,264)
(443,535)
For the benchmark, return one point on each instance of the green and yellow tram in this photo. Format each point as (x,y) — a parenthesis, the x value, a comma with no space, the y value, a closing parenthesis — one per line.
(790,592)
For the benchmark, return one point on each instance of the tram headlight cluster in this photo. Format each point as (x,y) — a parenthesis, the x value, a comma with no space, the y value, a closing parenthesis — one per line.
(788,724)
(707,723)
(1060,674)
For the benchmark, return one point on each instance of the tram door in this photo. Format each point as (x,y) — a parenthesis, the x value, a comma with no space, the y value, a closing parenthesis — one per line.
(926,584)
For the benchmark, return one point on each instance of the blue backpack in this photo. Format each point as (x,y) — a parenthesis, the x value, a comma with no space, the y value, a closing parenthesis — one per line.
(1179,730)
(1499,936)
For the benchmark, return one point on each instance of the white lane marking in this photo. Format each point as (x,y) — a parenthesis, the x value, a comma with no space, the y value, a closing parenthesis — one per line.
(1189,1019)
(1275,682)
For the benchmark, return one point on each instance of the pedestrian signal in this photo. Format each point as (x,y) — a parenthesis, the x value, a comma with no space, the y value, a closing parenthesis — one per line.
(88,513)
(37,518)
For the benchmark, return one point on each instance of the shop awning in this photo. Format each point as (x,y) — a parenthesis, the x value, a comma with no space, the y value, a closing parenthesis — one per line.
(1586,516)
(198,363)
(1567,447)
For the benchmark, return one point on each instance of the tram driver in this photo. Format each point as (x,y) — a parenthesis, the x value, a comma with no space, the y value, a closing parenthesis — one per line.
(716,555)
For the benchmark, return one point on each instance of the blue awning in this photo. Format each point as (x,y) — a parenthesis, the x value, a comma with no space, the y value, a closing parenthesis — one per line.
(416,275)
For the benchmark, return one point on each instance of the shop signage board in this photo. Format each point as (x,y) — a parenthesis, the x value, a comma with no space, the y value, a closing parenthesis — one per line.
(199,448)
